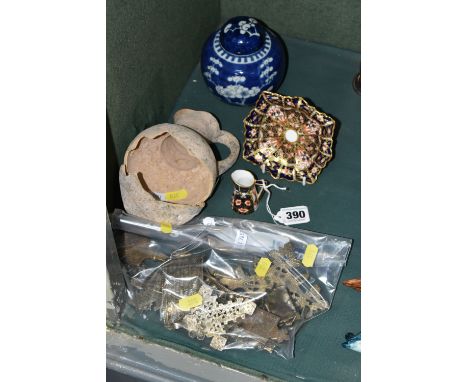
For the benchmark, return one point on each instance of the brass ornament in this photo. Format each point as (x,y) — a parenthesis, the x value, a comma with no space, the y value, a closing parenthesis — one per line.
(264,308)
(305,296)
(211,318)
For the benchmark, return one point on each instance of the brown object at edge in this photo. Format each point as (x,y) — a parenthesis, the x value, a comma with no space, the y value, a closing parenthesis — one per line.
(353,283)
(264,324)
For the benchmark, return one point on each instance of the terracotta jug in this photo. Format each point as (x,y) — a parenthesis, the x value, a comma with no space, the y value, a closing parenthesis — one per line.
(169,170)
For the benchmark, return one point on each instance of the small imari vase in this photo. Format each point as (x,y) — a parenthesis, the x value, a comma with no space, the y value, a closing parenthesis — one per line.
(245,197)
(242,59)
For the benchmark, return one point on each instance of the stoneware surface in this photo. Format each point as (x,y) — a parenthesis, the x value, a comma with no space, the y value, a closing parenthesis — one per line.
(205,124)
(242,59)
(171,157)
(139,202)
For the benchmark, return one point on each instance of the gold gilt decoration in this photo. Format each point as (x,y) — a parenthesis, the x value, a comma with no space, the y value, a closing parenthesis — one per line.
(289,137)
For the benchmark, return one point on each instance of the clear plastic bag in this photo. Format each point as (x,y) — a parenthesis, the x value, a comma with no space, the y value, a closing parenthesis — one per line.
(236,284)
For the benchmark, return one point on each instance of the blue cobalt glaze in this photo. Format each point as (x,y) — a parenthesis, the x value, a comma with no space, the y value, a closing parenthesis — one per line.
(353,342)
(242,59)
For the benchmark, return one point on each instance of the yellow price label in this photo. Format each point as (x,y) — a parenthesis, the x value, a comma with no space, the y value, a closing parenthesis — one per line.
(189,302)
(262,267)
(310,255)
(176,195)
(166,227)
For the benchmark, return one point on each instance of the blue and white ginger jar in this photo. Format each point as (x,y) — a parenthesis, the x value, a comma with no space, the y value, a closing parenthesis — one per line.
(242,59)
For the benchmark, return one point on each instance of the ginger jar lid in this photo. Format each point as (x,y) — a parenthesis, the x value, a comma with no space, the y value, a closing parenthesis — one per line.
(242,35)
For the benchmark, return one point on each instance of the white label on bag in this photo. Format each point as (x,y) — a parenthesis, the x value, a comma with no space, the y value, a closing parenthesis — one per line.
(209,221)
(293,215)
(241,239)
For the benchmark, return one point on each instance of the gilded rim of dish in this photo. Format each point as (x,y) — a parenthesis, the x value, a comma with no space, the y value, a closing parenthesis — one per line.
(313,108)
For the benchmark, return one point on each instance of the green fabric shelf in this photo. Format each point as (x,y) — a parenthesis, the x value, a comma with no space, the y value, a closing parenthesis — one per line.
(323,75)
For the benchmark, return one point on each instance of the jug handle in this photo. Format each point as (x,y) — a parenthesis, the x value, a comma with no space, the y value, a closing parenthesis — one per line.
(229,140)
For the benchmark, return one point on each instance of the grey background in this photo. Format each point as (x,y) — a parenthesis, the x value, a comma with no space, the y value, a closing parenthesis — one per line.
(332,22)
(114,376)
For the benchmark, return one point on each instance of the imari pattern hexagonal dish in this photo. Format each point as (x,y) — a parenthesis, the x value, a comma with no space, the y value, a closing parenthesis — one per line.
(287,137)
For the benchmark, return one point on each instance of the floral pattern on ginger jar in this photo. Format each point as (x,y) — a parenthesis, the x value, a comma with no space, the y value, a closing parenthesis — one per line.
(242,59)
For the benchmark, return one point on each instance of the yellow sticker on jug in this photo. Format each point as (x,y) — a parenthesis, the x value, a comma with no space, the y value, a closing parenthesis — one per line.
(176,195)
(262,267)
(166,227)
(189,302)
(310,255)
